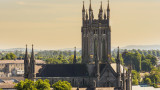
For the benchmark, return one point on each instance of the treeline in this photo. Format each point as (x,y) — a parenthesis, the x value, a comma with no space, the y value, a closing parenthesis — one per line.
(42,85)
(58,57)
(141,60)
(144,52)
(50,56)
(151,79)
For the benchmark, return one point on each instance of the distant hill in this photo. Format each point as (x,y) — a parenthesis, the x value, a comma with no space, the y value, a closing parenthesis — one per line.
(142,47)
(36,50)
(16,49)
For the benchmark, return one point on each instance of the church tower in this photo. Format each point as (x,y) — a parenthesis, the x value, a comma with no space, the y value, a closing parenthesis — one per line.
(96,31)
(32,66)
(26,64)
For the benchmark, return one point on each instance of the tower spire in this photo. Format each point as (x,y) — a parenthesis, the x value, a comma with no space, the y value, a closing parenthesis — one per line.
(108,13)
(26,64)
(74,61)
(32,65)
(108,5)
(83,14)
(26,53)
(105,15)
(101,7)
(100,12)
(32,54)
(90,6)
(118,54)
(83,7)
(86,15)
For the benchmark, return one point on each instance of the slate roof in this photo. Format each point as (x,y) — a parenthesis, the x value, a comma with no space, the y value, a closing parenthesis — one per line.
(66,70)
(63,70)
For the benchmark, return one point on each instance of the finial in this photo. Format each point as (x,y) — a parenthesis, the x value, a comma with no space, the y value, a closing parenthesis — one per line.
(101,5)
(90,7)
(104,14)
(83,6)
(108,5)
(32,45)
(86,14)
(26,45)
(118,53)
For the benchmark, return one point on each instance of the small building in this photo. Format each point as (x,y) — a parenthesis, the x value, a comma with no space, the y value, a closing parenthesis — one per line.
(10,68)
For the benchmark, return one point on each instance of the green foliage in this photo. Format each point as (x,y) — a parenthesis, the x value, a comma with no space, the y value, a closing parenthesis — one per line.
(42,85)
(147,65)
(71,59)
(135,77)
(31,85)
(152,79)
(113,60)
(62,85)
(25,85)
(153,59)
(9,56)
(143,57)
(147,81)
(134,59)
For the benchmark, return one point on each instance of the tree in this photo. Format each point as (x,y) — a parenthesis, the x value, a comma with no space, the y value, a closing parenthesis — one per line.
(79,59)
(143,57)
(25,85)
(155,76)
(147,81)
(152,58)
(9,56)
(60,57)
(42,85)
(113,60)
(31,85)
(64,61)
(121,59)
(147,65)
(135,77)
(62,85)
(71,59)
(137,61)
(13,56)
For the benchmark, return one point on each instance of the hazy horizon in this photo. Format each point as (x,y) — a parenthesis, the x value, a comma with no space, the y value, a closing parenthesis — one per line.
(56,24)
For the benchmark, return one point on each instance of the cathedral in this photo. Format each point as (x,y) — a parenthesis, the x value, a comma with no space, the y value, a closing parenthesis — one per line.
(96,69)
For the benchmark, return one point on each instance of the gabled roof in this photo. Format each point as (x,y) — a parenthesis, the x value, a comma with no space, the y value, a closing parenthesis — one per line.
(108,66)
(67,70)
(63,70)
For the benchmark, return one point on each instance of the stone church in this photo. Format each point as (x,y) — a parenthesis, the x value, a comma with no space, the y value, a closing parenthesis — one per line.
(96,69)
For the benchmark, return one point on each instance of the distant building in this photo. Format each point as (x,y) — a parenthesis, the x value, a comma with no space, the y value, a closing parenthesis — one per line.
(10,68)
(96,69)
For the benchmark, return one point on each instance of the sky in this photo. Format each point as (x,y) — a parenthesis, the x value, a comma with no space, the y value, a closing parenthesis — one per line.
(56,24)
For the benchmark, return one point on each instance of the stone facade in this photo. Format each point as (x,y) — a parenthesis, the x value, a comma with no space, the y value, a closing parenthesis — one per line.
(96,35)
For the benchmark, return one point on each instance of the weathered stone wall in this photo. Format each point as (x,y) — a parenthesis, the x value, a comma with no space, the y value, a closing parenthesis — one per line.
(75,81)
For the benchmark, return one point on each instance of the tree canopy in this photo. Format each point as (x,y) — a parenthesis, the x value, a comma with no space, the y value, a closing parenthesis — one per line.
(62,85)
(31,85)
